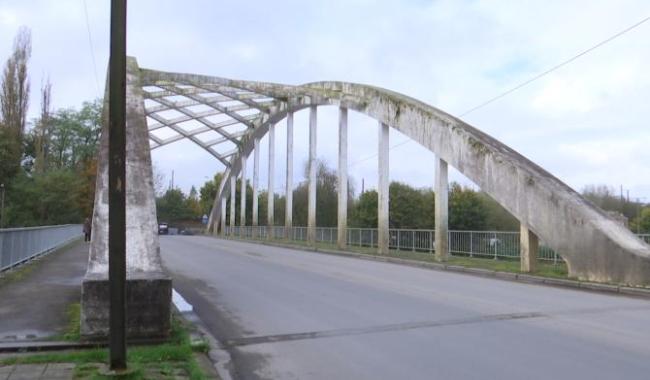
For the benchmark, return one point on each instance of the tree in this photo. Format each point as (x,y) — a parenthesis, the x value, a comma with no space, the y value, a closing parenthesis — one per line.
(193,203)
(75,135)
(641,223)
(208,192)
(172,206)
(42,130)
(14,101)
(410,207)
(497,217)
(364,212)
(466,211)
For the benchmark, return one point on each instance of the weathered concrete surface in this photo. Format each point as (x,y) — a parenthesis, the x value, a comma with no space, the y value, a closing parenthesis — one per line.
(288,204)
(529,247)
(256,180)
(383,188)
(342,214)
(441,210)
(311,195)
(34,305)
(596,247)
(242,191)
(270,194)
(142,248)
(292,314)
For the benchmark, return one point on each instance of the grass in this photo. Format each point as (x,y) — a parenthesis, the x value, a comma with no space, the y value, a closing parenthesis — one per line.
(544,269)
(162,361)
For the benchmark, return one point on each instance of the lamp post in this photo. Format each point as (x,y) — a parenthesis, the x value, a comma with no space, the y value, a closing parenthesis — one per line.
(2,205)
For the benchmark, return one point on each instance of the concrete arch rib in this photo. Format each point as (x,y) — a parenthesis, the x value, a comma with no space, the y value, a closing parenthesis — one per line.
(596,247)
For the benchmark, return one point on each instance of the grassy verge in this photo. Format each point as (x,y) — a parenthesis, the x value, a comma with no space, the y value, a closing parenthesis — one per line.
(163,361)
(544,269)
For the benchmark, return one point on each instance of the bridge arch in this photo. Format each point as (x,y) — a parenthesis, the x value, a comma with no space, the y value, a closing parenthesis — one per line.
(595,247)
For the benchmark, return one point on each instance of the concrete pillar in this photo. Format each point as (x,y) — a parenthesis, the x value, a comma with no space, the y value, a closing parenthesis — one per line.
(383,185)
(311,197)
(223,216)
(288,210)
(270,219)
(529,247)
(256,179)
(233,196)
(242,198)
(343,179)
(442,210)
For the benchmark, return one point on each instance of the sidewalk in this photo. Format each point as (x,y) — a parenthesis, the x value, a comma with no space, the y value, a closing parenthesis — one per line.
(33,305)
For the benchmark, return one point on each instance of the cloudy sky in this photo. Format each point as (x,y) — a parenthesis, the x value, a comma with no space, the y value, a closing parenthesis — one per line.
(587,123)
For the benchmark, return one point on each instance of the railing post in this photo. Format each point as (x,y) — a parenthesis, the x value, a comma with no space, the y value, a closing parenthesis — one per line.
(471,243)
(413,241)
(233,201)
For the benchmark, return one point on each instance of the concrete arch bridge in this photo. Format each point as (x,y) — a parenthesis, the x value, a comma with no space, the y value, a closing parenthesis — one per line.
(233,115)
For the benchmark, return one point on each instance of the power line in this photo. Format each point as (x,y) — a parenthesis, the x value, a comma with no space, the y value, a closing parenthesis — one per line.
(542,74)
(92,50)
(517,87)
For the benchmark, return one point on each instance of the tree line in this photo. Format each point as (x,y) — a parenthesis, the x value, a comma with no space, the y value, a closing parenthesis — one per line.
(47,164)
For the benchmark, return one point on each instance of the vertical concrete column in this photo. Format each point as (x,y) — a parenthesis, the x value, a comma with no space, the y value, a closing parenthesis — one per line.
(270,219)
(529,247)
(223,216)
(383,184)
(442,210)
(288,210)
(256,180)
(311,197)
(233,200)
(343,179)
(242,198)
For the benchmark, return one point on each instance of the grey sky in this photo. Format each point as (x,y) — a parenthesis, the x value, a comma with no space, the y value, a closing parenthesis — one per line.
(585,123)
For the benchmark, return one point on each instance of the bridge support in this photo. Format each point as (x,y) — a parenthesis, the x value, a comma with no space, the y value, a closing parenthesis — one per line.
(288,210)
(529,247)
(342,230)
(242,198)
(256,180)
(383,188)
(233,201)
(270,194)
(441,210)
(311,197)
(223,216)
(148,288)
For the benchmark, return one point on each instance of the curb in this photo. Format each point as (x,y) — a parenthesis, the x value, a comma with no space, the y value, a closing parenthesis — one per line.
(507,276)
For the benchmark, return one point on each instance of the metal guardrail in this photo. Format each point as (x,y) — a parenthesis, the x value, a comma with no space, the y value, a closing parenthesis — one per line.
(18,245)
(486,244)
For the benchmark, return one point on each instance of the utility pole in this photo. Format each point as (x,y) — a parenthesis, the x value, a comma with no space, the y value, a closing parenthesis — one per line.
(2,205)
(117,187)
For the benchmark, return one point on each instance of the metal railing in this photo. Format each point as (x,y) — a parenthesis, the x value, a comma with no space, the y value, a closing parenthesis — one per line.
(18,245)
(486,244)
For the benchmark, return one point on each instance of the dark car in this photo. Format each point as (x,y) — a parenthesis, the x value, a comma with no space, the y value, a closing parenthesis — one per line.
(163,229)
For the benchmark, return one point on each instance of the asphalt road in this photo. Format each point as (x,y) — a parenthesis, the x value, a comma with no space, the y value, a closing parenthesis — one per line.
(290,314)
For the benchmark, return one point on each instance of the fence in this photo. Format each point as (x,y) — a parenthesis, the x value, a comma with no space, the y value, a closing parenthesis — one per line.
(18,245)
(486,244)
(644,237)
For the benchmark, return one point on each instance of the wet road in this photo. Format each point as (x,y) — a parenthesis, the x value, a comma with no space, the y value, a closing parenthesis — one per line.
(290,314)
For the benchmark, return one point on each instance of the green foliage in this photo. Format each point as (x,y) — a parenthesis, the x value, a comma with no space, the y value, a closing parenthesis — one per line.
(173,206)
(208,192)
(641,223)
(364,211)
(466,210)
(44,199)
(409,207)
(497,217)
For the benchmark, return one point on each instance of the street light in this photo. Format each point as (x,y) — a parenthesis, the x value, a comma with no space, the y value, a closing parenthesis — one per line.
(2,205)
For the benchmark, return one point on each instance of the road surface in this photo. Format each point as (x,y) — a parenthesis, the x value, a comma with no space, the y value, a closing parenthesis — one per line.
(291,314)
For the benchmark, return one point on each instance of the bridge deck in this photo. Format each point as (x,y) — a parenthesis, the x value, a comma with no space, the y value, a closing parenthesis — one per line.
(297,314)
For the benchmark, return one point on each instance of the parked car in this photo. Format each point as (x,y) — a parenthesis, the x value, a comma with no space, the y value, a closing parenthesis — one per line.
(163,229)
